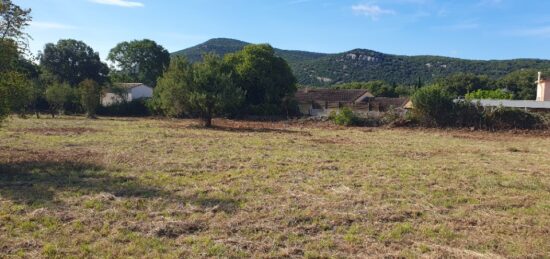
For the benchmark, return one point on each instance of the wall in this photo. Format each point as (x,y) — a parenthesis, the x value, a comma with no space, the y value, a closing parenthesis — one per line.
(140,92)
(110,99)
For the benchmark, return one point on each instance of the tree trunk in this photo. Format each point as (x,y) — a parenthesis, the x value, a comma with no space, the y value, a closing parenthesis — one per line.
(207,120)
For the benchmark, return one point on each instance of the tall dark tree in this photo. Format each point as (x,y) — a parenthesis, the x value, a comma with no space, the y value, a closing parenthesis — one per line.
(13,20)
(8,55)
(265,78)
(73,61)
(141,61)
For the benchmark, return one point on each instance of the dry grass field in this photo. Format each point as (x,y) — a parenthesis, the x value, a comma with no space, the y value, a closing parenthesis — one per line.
(77,188)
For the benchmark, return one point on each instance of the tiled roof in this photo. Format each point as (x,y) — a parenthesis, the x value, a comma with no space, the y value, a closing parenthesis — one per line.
(330,95)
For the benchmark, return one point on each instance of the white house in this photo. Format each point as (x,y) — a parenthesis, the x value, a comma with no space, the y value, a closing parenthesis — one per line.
(543,89)
(126,92)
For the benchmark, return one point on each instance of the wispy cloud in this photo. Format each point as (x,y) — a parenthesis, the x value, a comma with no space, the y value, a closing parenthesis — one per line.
(51,26)
(122,3)
(372,11)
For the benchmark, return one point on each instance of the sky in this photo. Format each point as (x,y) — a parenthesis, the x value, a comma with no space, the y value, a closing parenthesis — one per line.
(471,29)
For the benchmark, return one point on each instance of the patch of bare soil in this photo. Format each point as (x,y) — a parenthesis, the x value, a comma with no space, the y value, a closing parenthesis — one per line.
(20,155)
(59,131)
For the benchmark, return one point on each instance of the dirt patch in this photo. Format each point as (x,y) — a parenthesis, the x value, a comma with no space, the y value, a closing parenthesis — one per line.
(59,131)
(176,229)
(21,155)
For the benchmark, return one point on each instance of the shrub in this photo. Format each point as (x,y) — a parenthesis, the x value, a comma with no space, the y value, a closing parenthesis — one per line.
(90,95)
(433,106)
(467,114)
(134,108)
(345,117)
(497,94)
(57,95)
(506,118)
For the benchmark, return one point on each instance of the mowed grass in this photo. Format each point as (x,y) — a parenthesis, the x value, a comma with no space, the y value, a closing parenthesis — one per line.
(80,188)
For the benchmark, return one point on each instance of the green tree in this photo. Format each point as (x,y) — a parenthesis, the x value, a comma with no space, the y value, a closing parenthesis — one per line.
(8,55)
(141,61)
(497,94)
(461,84)
(18,91)
(13,20)
(203,90)
(433,105)
(377,88)
(73,61)
(57,95)
(521,83)
(266,79)
(90,96)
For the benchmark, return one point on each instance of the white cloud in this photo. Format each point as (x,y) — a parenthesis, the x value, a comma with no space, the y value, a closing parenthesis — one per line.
(51,26)
(123,3)
(372,11)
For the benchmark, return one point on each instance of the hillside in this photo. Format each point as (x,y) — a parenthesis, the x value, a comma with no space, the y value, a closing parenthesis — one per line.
(365,65)
(222,46)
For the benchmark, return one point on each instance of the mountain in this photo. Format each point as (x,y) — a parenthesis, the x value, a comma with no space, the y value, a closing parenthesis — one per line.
(223,46)
(317,69)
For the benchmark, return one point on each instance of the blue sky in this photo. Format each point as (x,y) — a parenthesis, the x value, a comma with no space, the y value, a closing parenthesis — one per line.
(473,29)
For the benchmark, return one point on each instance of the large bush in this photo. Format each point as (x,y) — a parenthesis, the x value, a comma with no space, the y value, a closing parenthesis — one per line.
(506,118)
(433,106)
(134,108)
(90,96)
(345,117)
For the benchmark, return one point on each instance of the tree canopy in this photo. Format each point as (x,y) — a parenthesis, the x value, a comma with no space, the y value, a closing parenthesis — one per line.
(203,89)
(73,61)
(90,96)
(141,61)
(377,88)
(13,20)
(461,84)
(266,79)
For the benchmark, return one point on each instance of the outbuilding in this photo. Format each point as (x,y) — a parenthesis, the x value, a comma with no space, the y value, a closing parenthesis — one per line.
(126,92)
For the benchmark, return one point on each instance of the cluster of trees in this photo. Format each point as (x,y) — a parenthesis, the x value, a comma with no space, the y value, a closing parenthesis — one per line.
(519,85)
(70,75)
(435,106)
(381,88)
(253,81)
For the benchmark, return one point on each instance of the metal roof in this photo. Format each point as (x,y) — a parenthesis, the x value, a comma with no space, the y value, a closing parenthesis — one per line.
(331,95)
(128,85)
(514,103)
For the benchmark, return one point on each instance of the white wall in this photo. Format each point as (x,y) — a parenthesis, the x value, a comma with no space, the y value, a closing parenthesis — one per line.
(141,91)
(110,99)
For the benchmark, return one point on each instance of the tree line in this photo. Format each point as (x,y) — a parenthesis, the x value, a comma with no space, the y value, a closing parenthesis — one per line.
(518,85)
(69,76)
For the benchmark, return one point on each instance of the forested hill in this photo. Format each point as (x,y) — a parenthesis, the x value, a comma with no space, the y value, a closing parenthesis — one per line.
(367,65)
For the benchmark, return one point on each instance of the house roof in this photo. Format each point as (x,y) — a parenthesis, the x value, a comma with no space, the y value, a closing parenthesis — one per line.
(128,86)
(331,95)
(514,103)
(389,102)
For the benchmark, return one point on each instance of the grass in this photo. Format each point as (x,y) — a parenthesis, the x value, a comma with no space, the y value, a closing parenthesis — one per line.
(72,187)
